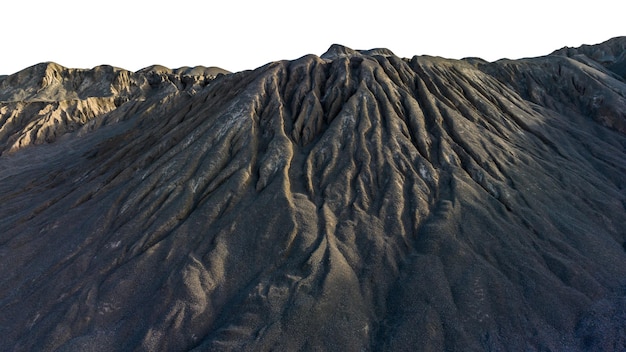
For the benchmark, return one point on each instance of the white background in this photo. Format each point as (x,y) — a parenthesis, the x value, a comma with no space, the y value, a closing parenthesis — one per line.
(238,35)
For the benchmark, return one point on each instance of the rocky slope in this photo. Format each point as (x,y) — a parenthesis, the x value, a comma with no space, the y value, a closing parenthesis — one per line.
(353,201)
(45,101)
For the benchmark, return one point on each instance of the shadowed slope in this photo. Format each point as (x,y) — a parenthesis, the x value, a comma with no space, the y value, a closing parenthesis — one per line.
(354,201)
(610,54)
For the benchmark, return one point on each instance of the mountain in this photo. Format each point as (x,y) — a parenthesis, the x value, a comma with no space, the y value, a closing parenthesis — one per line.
(347,202)
(45,101)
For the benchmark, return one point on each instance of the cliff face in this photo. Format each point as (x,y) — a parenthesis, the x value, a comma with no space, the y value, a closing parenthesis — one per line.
(353,201)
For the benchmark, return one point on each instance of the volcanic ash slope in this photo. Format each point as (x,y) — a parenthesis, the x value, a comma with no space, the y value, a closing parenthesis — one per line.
(353,201)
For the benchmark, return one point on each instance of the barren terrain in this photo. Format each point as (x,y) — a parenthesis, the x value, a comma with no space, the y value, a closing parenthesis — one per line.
(345,202)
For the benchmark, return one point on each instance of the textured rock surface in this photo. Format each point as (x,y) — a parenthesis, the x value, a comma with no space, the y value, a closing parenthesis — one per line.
(353,201)
(45,101)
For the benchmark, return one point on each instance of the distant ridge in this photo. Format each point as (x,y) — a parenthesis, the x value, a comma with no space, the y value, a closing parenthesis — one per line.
(610,54)
(47,100)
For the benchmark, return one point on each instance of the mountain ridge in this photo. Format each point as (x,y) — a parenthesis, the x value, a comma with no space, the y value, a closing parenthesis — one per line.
(353,201)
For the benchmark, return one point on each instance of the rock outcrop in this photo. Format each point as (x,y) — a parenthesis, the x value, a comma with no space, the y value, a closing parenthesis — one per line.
(353,201)
(46,101)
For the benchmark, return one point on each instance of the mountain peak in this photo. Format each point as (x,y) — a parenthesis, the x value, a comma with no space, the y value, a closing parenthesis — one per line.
(336,51)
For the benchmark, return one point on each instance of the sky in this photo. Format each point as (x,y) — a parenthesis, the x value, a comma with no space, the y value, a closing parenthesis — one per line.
(239,35)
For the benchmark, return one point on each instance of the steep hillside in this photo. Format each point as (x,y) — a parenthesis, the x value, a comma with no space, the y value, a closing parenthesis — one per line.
(353,201)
